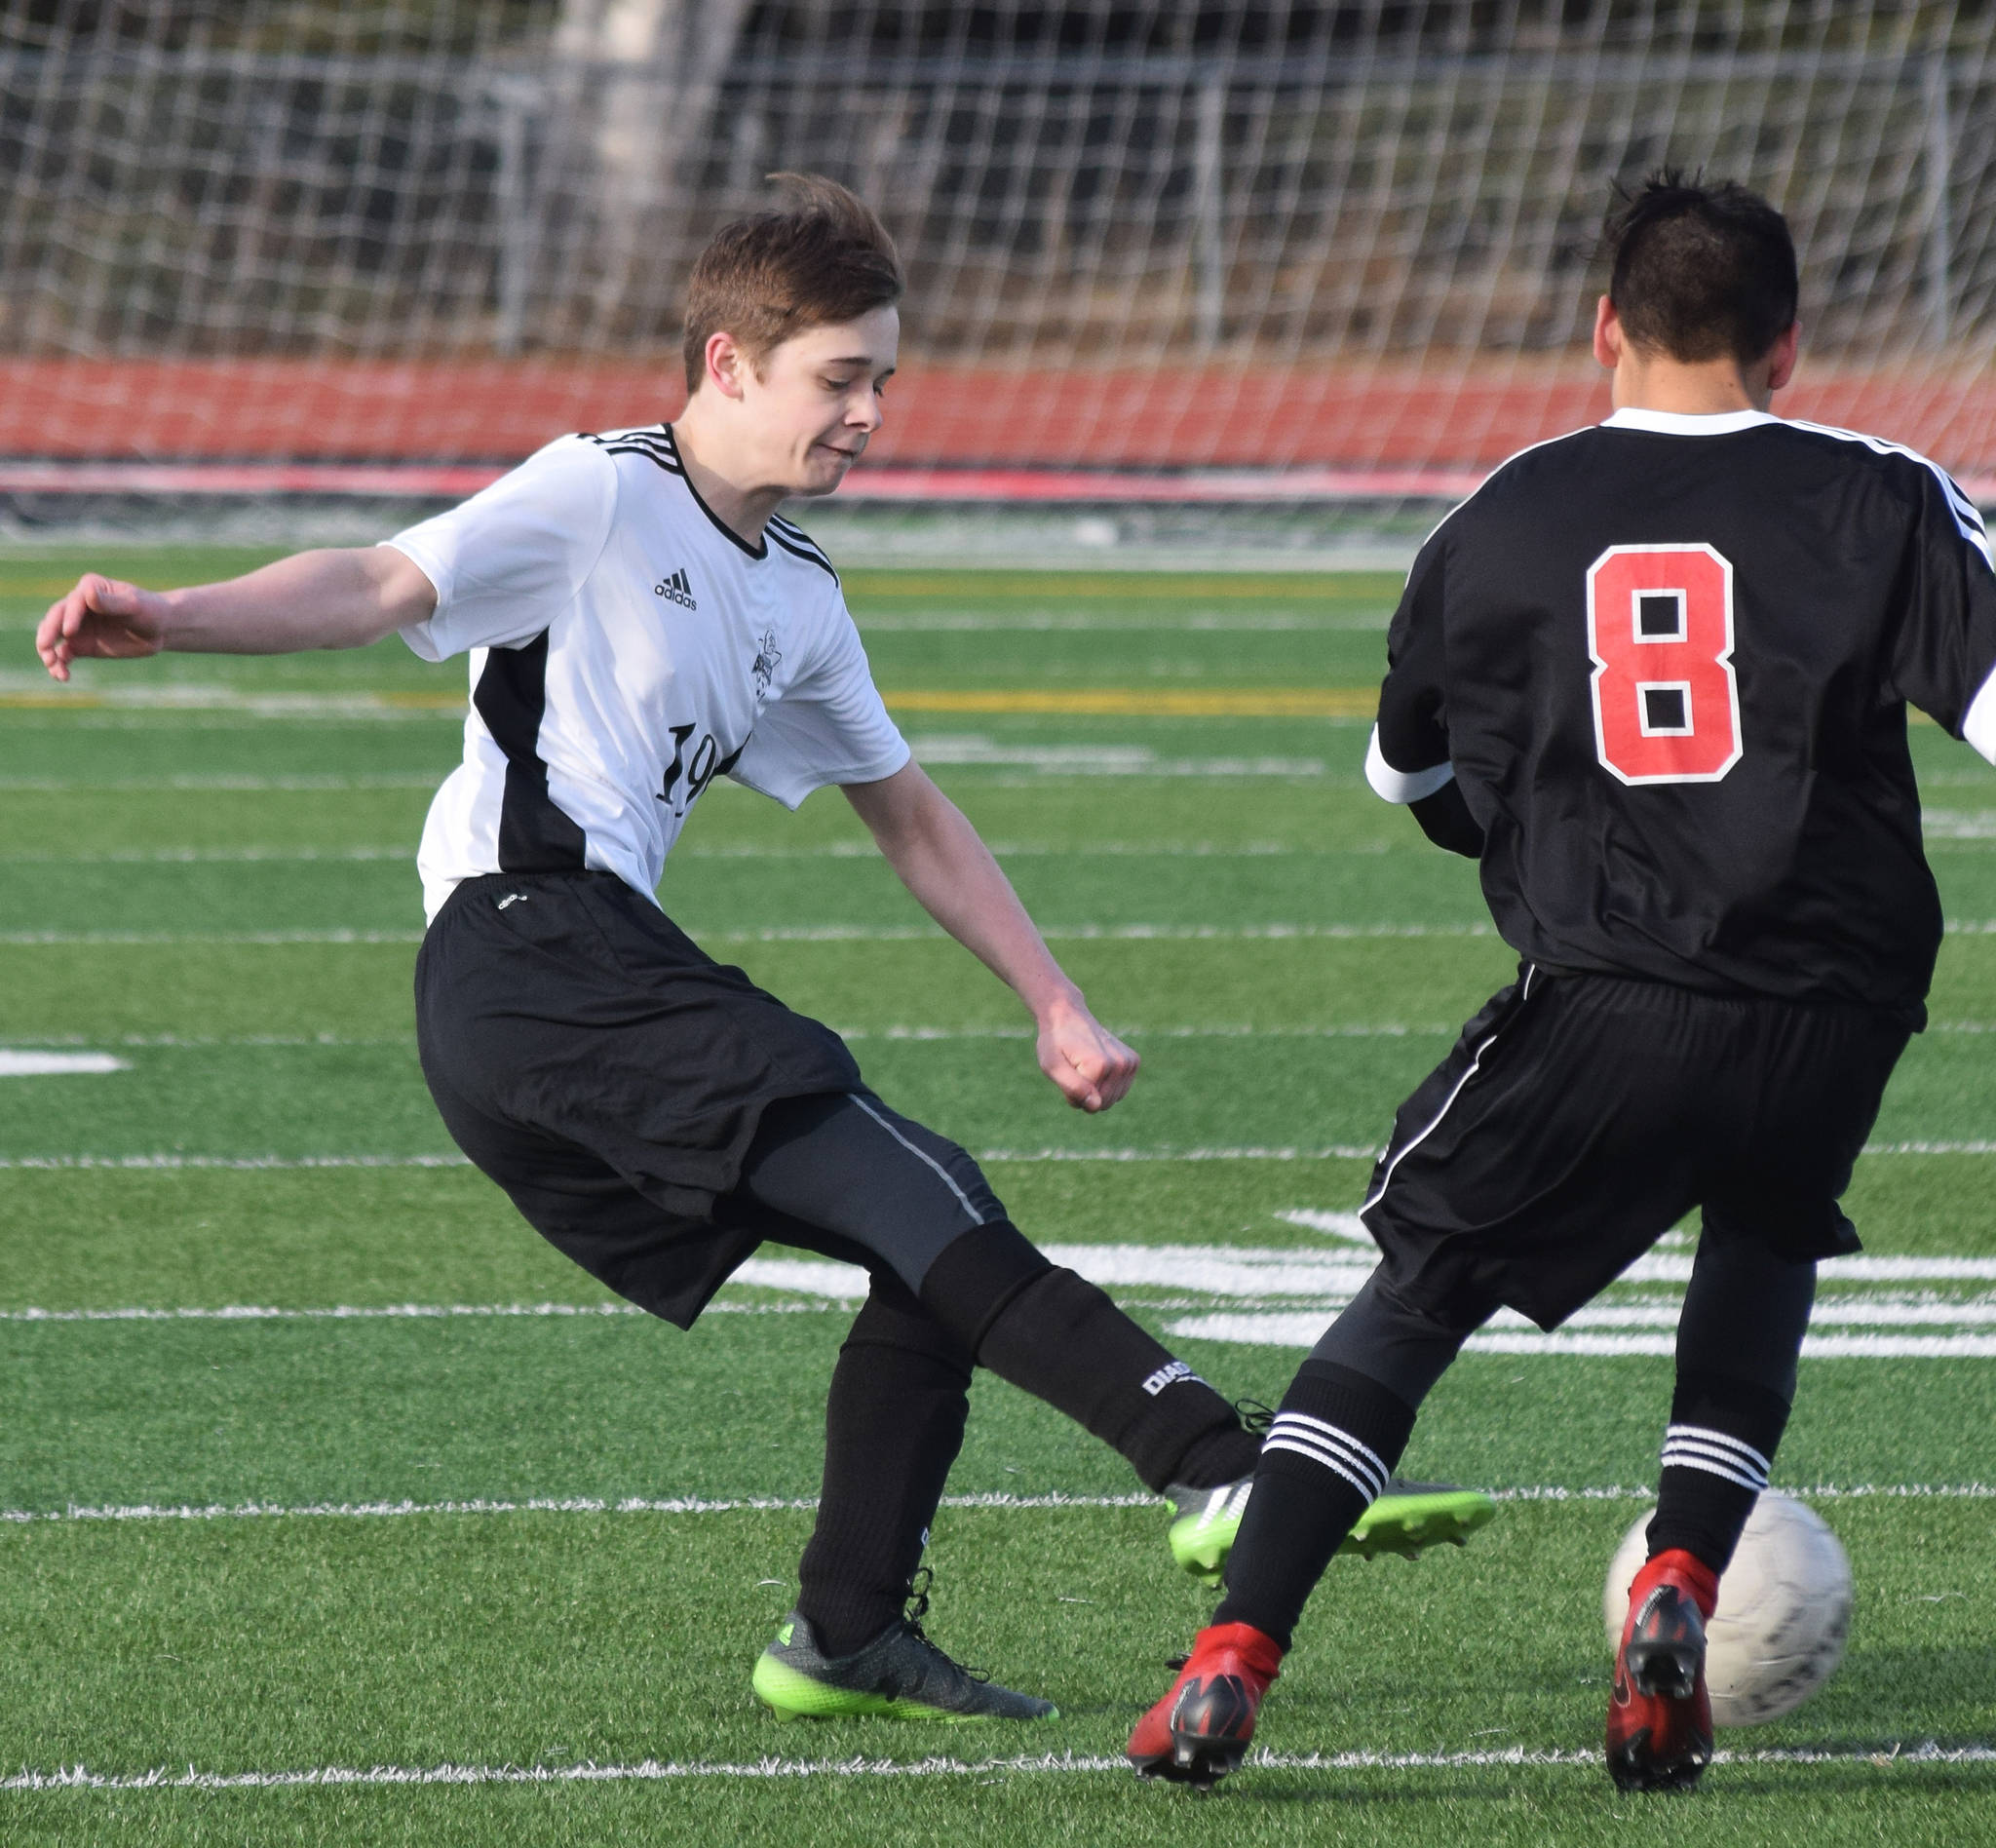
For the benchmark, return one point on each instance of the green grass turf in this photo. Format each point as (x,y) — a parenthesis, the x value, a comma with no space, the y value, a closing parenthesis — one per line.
(1233,1091)
(286,1642)
(555,1640)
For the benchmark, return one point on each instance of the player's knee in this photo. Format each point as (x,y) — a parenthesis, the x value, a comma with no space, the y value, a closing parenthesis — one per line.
(894,1317)
(978,1276)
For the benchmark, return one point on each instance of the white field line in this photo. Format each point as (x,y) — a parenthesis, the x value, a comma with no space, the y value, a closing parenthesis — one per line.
(1959,824)
(1316,1283)
(834,1293)
(1924,1752)
(288,784)
(1389,1030)
(750,851)
(698,1505)
(50,1065)
(853,934)
(227,1163)
(1385,1029)
(524,1504)
(157,940)
(792,934)
(1295,1287)
(184,1041)
(942,622)
(1964,828)
(971,751)
(1301,1329)
(1027,766)
(192,697)
(1336,1152)
(208,856)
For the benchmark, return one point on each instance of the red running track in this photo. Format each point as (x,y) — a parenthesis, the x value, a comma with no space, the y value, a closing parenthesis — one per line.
(1336,418)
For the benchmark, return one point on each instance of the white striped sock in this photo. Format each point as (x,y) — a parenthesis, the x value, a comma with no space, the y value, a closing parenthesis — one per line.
(1698,1447)
(1335,1450)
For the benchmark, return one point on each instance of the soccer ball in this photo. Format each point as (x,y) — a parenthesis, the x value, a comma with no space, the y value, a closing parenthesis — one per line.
(1783,1613)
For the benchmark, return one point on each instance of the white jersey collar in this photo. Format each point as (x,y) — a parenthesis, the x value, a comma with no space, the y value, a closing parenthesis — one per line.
(1678,423)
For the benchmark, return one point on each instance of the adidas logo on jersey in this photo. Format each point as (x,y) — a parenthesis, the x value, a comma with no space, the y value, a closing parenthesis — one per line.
(676,589)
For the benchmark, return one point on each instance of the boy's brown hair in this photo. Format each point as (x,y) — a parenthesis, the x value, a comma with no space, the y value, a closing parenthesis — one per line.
(820,259)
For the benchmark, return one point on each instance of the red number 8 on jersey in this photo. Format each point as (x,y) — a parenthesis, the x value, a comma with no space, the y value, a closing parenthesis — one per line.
(1659,629)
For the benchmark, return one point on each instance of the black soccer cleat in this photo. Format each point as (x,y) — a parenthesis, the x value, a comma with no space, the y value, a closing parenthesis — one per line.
(901,1674)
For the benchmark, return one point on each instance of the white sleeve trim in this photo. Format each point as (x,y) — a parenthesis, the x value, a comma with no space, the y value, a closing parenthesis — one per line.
(1402,786)
(1979,727)
(417,633)
(1967,522)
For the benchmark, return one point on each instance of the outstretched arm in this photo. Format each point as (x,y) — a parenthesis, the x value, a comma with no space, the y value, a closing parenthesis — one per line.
(315,600)
(943,862)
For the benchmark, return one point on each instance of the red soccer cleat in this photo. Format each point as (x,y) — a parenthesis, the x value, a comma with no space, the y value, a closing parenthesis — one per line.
(1660,1715)
(1201,1730)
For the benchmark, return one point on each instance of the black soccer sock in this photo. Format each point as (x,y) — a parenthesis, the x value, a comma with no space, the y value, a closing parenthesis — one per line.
(1327,1459)
(1059,1337)
(1739,1336)
(1717,1451)
(894,1422)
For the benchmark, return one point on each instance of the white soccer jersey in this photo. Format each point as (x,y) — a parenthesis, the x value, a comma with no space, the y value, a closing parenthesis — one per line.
(627,648)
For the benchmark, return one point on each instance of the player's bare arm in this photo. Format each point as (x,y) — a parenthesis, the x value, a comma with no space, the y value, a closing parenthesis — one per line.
(943,862)
(343,598)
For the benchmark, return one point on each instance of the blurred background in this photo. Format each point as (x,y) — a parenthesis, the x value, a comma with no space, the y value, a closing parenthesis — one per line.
(1250,276)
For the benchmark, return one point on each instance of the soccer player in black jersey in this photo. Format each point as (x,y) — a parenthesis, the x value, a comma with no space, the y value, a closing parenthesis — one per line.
(639,620)
(1654,677)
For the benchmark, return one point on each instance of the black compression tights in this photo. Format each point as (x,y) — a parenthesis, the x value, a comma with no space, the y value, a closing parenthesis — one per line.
(954,1282)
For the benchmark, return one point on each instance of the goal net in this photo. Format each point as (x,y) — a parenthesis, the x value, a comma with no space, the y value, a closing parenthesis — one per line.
(1251,250)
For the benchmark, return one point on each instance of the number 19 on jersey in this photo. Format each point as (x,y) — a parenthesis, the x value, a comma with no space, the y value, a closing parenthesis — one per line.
(1660,631)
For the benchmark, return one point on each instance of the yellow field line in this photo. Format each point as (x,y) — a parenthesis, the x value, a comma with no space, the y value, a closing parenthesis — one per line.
(1284,587)
(417,702)
(1305,702)
(1300,702)
(1277,587)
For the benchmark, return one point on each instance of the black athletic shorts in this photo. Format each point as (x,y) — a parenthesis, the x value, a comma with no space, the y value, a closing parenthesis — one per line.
(1579,1117)
(609,1074)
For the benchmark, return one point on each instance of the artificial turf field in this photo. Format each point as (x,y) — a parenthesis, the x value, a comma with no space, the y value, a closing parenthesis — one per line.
(481,1559)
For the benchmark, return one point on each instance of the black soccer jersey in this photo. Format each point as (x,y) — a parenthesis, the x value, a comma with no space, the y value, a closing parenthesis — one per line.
(1668,659)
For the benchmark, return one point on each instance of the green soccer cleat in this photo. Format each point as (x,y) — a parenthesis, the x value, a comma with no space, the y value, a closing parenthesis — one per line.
(901,1674)
(1407,1518)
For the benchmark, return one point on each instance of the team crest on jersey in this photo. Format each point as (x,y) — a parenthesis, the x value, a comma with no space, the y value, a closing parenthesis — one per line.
(676,589)
(768,659)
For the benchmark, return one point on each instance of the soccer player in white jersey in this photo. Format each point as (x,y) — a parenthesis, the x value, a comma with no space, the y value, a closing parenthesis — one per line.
(639,620)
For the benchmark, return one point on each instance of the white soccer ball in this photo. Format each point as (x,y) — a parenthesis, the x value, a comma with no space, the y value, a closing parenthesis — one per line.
(1783,1612)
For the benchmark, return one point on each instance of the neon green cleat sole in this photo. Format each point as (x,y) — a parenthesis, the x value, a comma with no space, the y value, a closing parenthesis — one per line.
(901,1674)
(790,1695)
(1409,1518)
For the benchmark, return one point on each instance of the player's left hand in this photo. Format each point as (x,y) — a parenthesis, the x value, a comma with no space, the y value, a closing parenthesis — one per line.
(103,618)
(1093,1067)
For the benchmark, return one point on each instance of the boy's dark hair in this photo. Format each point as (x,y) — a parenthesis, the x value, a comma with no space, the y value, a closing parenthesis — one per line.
(819,259)
(1701,270)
